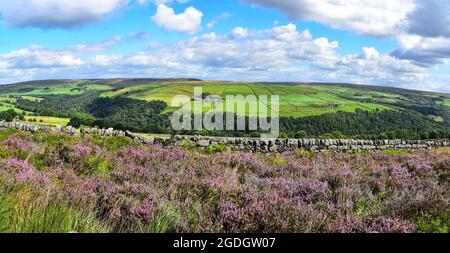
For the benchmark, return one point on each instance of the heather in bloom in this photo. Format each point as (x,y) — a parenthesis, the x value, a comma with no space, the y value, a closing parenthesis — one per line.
(117,187)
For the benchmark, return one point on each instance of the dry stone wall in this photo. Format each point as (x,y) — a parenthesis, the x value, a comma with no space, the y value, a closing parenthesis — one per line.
(248,144)
(282,145)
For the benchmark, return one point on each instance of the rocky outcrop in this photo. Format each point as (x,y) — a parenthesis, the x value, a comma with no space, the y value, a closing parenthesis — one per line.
(247,144)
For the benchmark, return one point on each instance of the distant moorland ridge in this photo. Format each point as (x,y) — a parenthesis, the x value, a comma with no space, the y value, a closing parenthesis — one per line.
(112,81)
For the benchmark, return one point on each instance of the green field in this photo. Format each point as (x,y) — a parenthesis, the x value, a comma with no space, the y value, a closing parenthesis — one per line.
(447,102)
(296,99)
(6,107)
(47,121)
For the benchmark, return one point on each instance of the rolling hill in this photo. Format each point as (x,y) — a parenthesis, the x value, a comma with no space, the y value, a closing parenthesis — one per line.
(298,101)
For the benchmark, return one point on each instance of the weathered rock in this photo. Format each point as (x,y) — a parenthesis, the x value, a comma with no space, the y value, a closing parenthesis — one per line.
(149,141)
(203,143)
(158,141)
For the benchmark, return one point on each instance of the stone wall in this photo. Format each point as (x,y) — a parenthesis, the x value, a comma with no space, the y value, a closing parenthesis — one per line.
(248,144)
(22,126)
(282,145)
(103,132)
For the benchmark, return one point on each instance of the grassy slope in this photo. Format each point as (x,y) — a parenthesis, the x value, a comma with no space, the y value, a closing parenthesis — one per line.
(47,121)
(6,107)
(296,99)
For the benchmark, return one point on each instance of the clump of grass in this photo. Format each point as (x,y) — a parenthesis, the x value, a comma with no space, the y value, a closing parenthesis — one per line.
(6,133)
(306,153)
(47,215)
(395,152)
(112,143)
(434,224)
(220,148)
(96,165)
(278,160)
(165,221)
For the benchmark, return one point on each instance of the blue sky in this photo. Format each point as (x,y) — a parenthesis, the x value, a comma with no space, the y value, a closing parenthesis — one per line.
(359,41)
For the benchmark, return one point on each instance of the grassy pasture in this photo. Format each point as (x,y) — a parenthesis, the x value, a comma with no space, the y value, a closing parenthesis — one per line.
(6,107)
(47,121)
(12,100)
(447,102)
(295,100)
(7,100)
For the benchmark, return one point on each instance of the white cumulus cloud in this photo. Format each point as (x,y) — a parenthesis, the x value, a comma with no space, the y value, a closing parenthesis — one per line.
(37,57)
(240,32)
(367,17)
(56,13)
(423,51)
(421,27)
(282,53)
(187,22)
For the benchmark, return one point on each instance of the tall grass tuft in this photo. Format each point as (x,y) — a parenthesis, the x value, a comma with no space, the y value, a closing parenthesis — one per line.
(45,215)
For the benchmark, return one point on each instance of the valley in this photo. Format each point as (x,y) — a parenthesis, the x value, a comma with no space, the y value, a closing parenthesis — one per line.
(55,102)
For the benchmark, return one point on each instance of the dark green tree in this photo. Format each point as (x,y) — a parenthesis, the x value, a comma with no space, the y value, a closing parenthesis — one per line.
(8,115)
(75,122)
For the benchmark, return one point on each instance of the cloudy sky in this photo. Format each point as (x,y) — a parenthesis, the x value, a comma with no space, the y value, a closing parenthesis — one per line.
(404,43)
